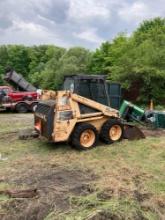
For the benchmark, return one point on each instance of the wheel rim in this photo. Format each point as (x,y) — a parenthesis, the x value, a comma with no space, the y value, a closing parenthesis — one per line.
(87,138)
(115,132)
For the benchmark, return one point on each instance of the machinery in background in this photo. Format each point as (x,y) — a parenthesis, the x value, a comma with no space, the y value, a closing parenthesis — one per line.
(18,80)
(95,87)
(16,96)
(131,113)
(23,100)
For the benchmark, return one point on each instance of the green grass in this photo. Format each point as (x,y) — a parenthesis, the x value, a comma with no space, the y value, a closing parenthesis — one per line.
(87,207)
(122,168)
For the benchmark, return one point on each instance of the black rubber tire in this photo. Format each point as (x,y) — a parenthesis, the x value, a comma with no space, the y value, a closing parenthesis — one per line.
(22,108)
(104,134)
(33,107)
(76,134)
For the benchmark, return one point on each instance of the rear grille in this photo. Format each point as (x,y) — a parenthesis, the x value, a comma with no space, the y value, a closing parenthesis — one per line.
(45,113)
(45,106)
(43,109)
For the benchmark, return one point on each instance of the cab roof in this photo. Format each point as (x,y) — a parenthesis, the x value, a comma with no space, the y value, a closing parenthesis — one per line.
(84,76)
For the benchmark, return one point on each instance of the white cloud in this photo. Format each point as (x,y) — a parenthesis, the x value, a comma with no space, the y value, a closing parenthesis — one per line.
(136,12)
(87,9)
(89,35)
(29,28)
(29,33)
(72,22)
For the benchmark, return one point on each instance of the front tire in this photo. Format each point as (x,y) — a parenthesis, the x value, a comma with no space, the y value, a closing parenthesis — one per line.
(84,136)
(112,131)
(33,107)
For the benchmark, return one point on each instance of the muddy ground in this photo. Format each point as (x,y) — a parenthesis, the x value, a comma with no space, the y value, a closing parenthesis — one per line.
(104,183)
(54,186)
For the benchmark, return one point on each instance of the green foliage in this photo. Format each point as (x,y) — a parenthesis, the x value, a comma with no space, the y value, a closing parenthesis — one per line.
(44,61)
(44,65)
(18,58)
(100,59)
(64,62)
(3,61)
(138,59)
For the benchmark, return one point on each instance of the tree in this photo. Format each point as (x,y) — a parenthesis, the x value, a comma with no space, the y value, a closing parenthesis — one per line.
(100,59)
(3,62)
(144,60)
(72,61)
(43,65)
(18,59)
(139,58)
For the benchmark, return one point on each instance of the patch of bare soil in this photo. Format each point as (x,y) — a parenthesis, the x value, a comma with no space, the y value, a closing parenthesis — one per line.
(153,132)
(54,186)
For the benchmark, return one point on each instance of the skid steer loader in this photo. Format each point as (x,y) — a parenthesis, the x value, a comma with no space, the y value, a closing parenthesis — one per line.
(67,116)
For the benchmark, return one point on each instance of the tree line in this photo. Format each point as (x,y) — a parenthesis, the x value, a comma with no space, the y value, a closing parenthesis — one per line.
(133,60)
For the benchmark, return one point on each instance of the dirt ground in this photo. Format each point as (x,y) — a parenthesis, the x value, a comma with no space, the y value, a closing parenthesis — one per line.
(54,186)
(118,182)
(153,132)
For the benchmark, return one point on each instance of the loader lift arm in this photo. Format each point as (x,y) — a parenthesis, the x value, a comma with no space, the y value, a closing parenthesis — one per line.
(103,109)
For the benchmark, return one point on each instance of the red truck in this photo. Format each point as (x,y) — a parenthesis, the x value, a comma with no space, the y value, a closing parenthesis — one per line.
(21,101)
(16,96)
(17,100)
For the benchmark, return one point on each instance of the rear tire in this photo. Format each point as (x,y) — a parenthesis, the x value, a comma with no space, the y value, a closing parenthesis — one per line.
(112,131)
(84,136)
(22,108)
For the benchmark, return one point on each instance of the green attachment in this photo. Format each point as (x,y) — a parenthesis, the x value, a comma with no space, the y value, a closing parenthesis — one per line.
(159,119)
(131,112)
(123,108)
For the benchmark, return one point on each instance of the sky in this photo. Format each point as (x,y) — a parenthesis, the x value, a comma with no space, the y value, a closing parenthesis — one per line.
(69,23)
